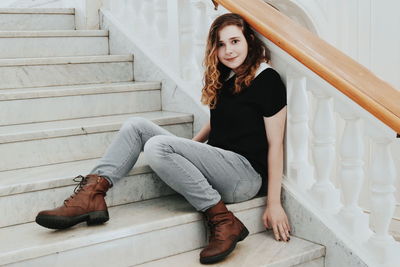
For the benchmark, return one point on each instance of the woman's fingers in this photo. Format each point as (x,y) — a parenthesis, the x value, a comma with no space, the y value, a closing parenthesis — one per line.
(288,227)
(282,232)
(265,221)
(276,232)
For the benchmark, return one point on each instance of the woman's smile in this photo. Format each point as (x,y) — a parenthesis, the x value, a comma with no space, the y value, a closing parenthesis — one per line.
(231,59)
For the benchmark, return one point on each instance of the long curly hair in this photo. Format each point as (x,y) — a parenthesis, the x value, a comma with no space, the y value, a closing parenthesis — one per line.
(216,73)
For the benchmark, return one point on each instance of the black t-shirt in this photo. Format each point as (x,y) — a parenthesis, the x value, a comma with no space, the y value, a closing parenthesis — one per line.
(237,122)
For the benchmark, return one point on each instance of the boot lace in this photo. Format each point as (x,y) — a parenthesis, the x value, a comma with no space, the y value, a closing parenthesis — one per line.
(82,181)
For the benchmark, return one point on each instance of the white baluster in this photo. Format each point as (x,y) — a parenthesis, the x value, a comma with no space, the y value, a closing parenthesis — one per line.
(299,169)
(161,23)
(323,191)
(353,219)
(383,174)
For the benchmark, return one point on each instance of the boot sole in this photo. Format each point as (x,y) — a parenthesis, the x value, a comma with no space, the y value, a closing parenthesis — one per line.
(219,257)
(63,222)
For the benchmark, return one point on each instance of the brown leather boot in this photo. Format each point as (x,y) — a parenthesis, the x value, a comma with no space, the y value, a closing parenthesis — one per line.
(225,231)
(86,204)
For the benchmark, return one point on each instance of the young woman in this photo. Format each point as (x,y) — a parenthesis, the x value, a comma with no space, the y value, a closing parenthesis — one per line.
(244,153)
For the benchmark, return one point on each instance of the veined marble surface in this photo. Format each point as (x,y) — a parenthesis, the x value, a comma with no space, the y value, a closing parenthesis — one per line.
(320,262)
(14,209)
(34,44)
(54,33)
(255,251)
(64,74)
(25,22)
(52,176)
(78,106)
(35,131)
(166,225)
(64,60)
(72,144)
(73,90)
(36,10)
(306,224)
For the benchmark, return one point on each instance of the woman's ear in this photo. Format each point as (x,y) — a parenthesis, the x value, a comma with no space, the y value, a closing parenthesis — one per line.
(252,37)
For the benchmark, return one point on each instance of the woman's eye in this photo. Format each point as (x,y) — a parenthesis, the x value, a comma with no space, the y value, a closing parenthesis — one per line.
(235,41)
(220,44)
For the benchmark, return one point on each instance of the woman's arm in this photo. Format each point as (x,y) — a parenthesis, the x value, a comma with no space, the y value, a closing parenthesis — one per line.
(274,216)
(202,136)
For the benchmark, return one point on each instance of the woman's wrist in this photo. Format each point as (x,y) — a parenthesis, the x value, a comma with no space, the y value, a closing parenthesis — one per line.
(273,202)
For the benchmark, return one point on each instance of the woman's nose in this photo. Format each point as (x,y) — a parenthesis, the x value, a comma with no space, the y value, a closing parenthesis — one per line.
(228,49)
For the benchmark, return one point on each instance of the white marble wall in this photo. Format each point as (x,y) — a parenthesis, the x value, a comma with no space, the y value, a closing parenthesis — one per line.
(366,30)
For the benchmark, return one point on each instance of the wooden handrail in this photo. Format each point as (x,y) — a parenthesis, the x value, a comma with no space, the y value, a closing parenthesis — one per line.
(351,78)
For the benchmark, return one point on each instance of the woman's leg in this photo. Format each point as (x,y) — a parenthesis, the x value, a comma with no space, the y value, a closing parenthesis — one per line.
(88,204)
(124,151)
(203,174)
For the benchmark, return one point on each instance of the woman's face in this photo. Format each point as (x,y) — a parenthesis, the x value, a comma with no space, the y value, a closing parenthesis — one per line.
(232,46)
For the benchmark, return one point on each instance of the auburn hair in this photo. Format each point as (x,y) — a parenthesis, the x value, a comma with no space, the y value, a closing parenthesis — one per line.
(216,73)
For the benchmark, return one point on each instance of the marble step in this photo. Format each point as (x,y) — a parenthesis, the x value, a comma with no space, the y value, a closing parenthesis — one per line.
(55,71)
(47,186)
(136,233)
(258,250)
(39,144)
(77,101)
(36,44)
(34,19)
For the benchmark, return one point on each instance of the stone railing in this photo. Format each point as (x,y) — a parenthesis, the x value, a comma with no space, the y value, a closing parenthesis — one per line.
(334,147)
(336,151)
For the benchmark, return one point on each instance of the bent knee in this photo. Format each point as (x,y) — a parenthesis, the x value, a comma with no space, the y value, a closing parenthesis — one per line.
(158,145)
(135,123)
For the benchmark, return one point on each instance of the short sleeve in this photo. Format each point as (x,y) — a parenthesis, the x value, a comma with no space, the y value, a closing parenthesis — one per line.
(271,92)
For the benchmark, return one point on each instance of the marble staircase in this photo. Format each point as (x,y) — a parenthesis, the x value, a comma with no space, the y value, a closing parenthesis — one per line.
(34,19)
(31,44)
(62,99)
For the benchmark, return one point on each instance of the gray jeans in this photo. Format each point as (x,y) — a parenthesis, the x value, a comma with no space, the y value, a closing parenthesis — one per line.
(203,174)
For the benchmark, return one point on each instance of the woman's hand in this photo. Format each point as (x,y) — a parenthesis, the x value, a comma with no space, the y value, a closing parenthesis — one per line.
(275,217)
(202,136)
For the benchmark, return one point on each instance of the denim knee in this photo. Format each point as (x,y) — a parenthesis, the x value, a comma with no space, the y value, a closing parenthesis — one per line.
(156,147)
(134,123)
